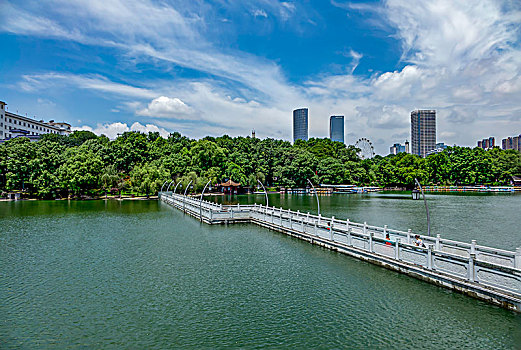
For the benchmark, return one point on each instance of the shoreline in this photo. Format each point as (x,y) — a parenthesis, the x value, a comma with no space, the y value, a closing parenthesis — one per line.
(156,197)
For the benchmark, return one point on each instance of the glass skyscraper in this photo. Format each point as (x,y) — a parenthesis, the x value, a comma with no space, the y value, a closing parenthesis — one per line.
(300,124)
(423,131)
(336,128)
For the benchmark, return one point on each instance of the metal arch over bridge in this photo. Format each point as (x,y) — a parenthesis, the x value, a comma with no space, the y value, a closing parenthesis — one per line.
(486,273)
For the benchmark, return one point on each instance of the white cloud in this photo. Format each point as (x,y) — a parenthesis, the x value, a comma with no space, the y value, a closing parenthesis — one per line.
(112,130)
(356,56)
(259,13)
(39,82)
(289,6)
(166,107)
(149,128)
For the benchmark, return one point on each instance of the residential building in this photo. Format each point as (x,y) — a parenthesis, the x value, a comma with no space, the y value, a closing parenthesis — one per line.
(336,128)
(441,145)
(300,124)
(423,131)
(407,149)
(13,125)
(2,119)
(487,143)
(512,143)
(397,148)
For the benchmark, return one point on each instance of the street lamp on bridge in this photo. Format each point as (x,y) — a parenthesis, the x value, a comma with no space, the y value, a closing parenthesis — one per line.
(265,192)
(316,195)
(417,194)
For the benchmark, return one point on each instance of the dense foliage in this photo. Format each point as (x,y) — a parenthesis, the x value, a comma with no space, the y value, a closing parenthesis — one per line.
(85,164)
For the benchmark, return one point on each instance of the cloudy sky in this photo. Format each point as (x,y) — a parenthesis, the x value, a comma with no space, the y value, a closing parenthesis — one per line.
(227,67)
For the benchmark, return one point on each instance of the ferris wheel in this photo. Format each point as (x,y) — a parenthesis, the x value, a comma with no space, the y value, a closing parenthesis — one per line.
(366,148)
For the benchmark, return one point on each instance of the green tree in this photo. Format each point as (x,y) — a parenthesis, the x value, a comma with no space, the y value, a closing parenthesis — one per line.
(110,178)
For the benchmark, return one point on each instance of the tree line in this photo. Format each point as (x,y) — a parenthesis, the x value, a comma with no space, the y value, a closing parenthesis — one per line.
(83,163)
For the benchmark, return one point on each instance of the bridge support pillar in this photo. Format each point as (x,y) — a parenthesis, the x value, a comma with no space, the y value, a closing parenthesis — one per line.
(429,256)
(438,246)
(370,241)
(517,259)
(471,267)
(409,232)
(331,233)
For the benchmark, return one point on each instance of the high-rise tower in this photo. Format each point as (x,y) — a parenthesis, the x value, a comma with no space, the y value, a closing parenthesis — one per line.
(423,131)
(300,124)
(336,128)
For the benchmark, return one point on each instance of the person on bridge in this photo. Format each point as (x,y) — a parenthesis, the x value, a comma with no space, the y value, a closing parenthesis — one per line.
(388,238)
(419,241)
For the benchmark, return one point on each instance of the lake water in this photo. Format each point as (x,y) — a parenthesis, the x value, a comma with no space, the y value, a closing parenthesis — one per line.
(140,274)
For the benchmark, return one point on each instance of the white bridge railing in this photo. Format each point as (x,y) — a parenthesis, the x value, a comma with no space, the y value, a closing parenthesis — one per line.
(486,266)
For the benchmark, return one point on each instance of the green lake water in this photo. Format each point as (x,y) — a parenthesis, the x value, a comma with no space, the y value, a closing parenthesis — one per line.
(141,275)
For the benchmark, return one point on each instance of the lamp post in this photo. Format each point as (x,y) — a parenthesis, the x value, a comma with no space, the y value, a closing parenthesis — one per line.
(184,196)
(201,201)
(265,192)
(426,207)
(316,195)
(163,185)
(170,184)
(175,188)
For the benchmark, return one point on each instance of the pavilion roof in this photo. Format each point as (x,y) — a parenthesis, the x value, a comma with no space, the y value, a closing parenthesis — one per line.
(230,183)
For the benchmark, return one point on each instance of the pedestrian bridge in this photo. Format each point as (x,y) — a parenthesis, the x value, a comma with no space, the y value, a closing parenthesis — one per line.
(486,273)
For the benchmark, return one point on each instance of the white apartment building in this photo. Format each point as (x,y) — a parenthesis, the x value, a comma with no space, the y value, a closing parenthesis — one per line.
(14,125)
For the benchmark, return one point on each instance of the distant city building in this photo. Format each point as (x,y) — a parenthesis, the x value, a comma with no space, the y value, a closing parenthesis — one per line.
(300,124)
(423,131)
(336,128)
(407,149)
(397,148)
(487,143)
(253,134)
(14,125)
(440,147)
(512,143)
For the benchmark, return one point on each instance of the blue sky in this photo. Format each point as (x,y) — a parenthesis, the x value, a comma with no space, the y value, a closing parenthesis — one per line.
(227,67)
